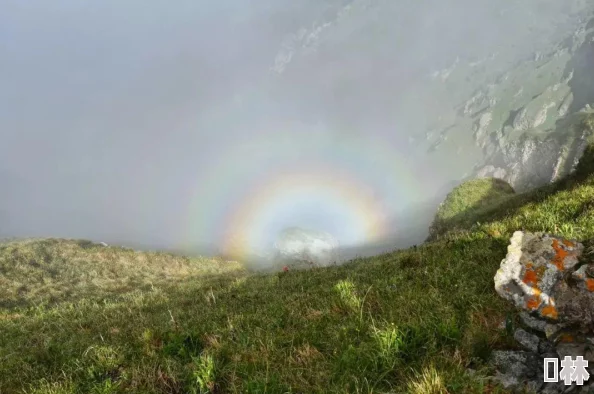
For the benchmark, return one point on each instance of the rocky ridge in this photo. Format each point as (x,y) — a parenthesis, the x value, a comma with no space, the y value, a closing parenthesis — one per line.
(525,120)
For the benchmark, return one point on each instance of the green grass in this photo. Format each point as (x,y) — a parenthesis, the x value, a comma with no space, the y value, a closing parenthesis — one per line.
(42,271)
(106,320)
(469,200)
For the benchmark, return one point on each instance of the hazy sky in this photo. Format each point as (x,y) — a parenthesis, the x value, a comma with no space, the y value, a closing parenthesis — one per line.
(178,124)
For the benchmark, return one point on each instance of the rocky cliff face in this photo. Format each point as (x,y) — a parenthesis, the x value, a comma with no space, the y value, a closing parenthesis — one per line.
(528,119)
(495,85)
(530,122)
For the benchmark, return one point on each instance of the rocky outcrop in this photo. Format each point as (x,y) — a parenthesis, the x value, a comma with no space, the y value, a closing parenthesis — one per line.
(547,279)
(523,120)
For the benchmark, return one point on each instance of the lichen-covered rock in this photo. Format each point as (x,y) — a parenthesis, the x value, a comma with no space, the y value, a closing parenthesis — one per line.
(572,350)
(531,275)
(575,304)
(553,388)
(527,340)
(515,368)
(545,347)
(532,322)
(552,284)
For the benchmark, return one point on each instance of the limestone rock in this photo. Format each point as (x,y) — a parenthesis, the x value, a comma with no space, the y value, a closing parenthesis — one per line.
(481,131)
(571,349)
(545,347)
(527,340)
(530,134)
(515,367)
(530,273)
(532,322)
(553,388)
(490,171)
(552,330)
(548,280)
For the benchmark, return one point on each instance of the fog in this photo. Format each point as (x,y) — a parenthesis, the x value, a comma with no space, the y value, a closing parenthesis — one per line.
(212,127)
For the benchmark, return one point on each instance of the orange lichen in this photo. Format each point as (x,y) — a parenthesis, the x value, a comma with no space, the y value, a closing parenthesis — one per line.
(590,284)
(568,243)
(536,291)
(566,338)
(533,303)
(560,255)
(549,311)
(530,277)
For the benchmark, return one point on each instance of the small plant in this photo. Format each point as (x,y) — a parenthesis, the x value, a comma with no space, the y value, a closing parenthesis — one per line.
(203,374)
(568,230)
(389,342)
(105,387)
(46,387)
(427,382)
(347,292)
(104,361)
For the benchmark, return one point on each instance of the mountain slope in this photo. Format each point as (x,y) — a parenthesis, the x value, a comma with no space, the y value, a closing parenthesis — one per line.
(408,321)
(49,270)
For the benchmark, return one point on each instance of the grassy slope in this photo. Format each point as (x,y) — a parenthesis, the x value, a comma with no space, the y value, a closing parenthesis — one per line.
(49,270)
(407,321)
(469,200)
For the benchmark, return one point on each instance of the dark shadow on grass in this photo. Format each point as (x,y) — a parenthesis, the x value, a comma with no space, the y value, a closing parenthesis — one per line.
(493,200)
(510,206)
(576,130)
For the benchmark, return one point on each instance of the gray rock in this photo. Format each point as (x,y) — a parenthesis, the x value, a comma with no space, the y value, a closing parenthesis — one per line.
(553,388)
(546,347)
(576,304)
(572,389)
(515,366)
(527,340)
(552,330)
(507,380)
(572,350)
(541,276)
(518,370)
(534,144)
(514,361)
(532,322)
(490,171)
(535,384)
(588,388)
(530,273)
(481,130)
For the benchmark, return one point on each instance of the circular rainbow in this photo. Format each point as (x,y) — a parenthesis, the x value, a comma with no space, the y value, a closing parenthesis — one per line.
(349,188)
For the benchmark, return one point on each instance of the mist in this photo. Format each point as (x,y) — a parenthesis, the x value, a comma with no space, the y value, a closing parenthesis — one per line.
(213,127)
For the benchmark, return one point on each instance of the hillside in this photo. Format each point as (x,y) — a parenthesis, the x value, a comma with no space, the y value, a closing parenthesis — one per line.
(77,317)
(42,271)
